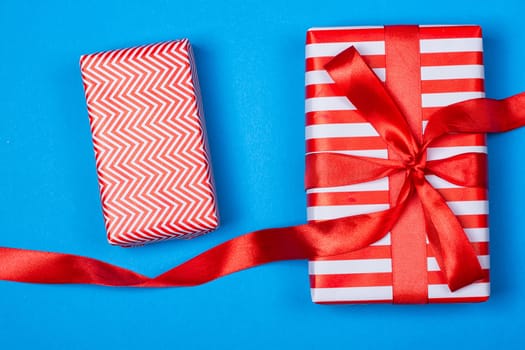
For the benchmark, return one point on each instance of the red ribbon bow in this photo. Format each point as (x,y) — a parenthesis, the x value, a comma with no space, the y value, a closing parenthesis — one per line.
(356,80)
(332,237)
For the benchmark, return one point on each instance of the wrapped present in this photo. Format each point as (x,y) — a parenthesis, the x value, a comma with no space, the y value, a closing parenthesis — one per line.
(150,143)
(424,68)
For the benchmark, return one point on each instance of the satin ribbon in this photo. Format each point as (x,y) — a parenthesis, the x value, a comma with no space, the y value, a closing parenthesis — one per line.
(355,80)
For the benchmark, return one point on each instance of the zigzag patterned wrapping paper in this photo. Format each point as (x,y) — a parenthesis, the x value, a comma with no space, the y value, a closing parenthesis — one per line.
(150,143)
(451,71)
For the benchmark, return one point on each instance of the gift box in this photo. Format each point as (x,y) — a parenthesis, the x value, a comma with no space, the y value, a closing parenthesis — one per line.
(425,68)
(150,145)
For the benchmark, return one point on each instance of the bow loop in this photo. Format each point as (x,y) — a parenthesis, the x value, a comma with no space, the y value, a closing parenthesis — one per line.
(345,169)
(358,82)
(467,169)
(481,115)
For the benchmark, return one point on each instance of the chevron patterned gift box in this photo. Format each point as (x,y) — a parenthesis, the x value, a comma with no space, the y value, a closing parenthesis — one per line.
(150,143)
(447,67)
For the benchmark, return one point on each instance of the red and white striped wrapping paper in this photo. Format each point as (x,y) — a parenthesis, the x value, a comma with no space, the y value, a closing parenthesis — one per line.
(451,71)
(150,143)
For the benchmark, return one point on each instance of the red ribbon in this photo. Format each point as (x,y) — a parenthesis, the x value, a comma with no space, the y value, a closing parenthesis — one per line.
(407,238)
(455,255)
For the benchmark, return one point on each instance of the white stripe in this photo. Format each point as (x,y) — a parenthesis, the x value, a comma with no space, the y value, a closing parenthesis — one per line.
(383,241)
(351,294)
(469,207)
(318,77)
(321,131)
(424,125)
(327,212)
(444,25)
(372,153)
(342,103)
(477,234)
(438,182)
(322,76)
(385,293)
(339,267)
(474,235)
(434,153)
(451,45)
(332,49)
(344,28)
(447,98)
(333,103)
(470,71)
(378,47)
(376,185)
(472,290)
(467,71)
(432,265)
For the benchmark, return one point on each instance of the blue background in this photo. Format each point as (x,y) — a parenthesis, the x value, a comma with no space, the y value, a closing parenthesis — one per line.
(250,57)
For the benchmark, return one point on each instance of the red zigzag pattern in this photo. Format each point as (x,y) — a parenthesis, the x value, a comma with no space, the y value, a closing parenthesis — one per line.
(150,143)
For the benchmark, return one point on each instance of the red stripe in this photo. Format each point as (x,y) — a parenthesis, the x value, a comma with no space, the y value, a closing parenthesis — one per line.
(347,198)
(313,118)
(473,221)
(455,300)
(428,111)
(451,58)
(320,90)
(351,280)
(463,194)
(370,252)
(452,32)
(437,277)
(384,252)
(481,248)
(427,86)
(345,302)
(452,85)
(370,280)
(460,140)
(382,197)
(345,143)
(372,142)
(338,35)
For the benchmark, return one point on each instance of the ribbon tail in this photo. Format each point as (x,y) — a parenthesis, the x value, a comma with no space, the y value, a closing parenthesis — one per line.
(32,266)
(333,169)
(309,241)
(318,239)
(466,169)
(454,253)
(482,115)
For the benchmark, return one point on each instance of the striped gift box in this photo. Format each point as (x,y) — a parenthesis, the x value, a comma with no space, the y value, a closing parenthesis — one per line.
(150,143)
(451,71)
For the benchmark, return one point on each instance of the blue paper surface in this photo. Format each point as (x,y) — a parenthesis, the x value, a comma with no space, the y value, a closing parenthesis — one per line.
(250,59)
